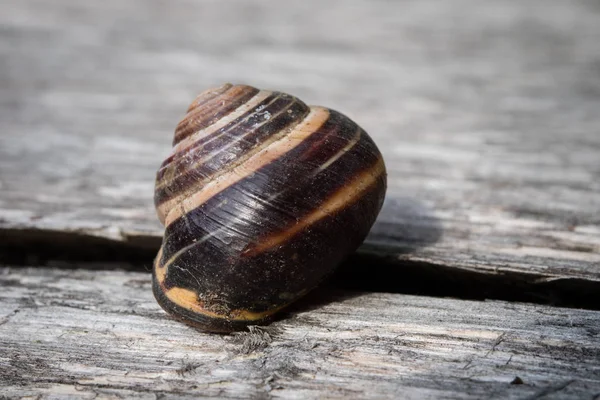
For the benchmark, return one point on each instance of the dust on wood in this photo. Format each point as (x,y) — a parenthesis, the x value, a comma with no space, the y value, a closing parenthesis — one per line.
(257,338)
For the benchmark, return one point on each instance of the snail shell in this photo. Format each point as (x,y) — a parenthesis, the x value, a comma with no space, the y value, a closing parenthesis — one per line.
(261,197)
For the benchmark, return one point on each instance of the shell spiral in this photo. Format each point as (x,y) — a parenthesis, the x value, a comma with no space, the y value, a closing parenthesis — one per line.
(261,197)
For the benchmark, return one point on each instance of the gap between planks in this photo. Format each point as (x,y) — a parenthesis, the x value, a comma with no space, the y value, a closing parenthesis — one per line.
(369,269)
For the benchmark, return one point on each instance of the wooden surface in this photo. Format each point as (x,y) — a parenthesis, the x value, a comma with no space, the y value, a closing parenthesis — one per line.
(487,113)
(100,333)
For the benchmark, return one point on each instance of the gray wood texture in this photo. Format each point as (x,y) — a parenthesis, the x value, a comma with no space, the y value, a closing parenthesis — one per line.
(487,113)
(100,334)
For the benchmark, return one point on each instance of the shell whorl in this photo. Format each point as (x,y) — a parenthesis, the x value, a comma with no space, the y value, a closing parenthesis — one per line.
(260,197)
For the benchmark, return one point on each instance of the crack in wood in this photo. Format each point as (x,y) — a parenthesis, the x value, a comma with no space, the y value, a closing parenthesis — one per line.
(365,270)
(550,390)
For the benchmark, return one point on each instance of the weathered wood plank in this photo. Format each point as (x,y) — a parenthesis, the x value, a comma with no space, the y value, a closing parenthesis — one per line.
(487,114)
(87,333)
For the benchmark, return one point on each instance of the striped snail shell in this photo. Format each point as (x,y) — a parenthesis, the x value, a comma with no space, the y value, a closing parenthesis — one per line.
(261,197)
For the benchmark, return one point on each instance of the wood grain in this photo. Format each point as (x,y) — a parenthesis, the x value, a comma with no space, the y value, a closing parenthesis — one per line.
(84,334)
(487,114)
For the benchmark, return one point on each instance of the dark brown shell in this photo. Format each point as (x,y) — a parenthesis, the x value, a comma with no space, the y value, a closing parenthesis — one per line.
(262,197)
